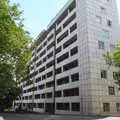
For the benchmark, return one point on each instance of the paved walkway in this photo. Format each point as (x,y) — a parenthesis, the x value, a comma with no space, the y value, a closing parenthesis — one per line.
(45,117)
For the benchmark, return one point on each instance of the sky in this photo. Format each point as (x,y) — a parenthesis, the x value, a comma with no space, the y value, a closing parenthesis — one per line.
(39,13)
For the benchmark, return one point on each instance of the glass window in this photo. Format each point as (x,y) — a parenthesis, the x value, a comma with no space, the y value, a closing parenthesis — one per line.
(101,45)
(111,90)
(75,106)
(103,74)
(118,107)
(106,107)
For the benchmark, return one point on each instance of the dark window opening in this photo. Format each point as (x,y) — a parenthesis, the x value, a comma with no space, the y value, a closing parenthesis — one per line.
(63,80)
(50,64)
(50,37)
(49,74)
(75,77)
(63,106)
(111,90)
(50,55)
(74,51)
(63,57)
(70,65)
(73,27)
(103,74)
(106,107)
(41,105)
(75,106)
(58,70)
(65,34)
(49,95)
(67,22)
(71,92)
(58,94)
(58,30)
(41,87)
(49,84)
(70,41)
(58,50)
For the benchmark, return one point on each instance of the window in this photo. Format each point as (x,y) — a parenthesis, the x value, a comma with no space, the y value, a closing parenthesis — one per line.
(109,23)
(75,106)
(49,84)
(42,69)
(58,50)
(58,94)
(72,6)
(62,17)
(37,96)
(43,77)
(38,79)
(67,22)
(101,45)
(106,107)
(39,63)
(71,92)
(50,45)
(43,95)
(44,59)
(50,37)
(103,74)
(41,105)
(105,35)
(49,95)
(63,106)
(49,74)
(45,43)
(75,77)
(70,65)
(65,34)
(99,19)
(111,90)
(118,107)
(73,27)
(42,53)
(50,55)
(39,49)
(74,51)
(70,41)
(63,57)
(58,70)
(41,86)
(63,80)
(50,64)
(58,30)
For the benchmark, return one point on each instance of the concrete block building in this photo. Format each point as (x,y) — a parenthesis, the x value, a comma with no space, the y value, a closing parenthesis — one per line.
(69,73)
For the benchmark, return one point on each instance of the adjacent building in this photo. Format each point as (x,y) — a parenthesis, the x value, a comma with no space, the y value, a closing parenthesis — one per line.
(69,73)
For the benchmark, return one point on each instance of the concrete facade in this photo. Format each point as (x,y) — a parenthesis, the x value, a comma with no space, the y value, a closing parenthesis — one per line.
(69,68)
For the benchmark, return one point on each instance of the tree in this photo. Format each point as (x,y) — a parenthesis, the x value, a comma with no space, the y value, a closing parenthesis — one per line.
(113,59)
(14,50)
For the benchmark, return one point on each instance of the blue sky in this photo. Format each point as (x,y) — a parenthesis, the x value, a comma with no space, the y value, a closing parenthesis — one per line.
(38,13)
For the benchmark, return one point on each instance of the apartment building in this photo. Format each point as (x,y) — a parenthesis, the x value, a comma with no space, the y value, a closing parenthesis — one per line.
(69,73)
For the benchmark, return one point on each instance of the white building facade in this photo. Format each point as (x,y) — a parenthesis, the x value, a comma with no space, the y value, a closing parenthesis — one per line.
(69,72)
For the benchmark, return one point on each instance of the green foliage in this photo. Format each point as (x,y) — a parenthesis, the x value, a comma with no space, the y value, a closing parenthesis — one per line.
(113,58)
(14,50)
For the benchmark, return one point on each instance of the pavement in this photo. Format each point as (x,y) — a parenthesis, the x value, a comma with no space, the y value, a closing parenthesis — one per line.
(17,116)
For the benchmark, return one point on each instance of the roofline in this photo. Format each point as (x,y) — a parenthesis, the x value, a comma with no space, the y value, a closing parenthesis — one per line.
(59,13)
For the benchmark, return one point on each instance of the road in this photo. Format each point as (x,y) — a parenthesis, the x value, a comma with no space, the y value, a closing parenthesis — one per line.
(14,116)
